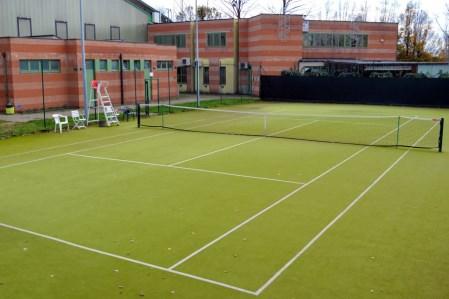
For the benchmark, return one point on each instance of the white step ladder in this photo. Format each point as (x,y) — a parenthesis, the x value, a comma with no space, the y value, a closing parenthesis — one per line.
(103,102)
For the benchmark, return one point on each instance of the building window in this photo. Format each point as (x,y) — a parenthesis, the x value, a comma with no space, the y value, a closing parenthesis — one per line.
(147,65)
(115,65)
(61,29)
(206,75)
(115,33)
(182,75)
(164,64)
(216,39)
(222,75)
(103,65)
(335,40)
(126,65)
(178,40)
(137,65)
(24,28)
(34,66)
(89,32)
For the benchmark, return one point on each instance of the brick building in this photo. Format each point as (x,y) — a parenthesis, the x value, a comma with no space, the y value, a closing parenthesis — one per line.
(234,54)
(40,53)
(267,44)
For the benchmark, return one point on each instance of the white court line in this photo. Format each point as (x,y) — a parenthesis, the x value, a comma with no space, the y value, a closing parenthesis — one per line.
(130,260)
(243,143)
(82,142)
(339,216)
(105,145)
(279,201)
(92,148)
(186,168)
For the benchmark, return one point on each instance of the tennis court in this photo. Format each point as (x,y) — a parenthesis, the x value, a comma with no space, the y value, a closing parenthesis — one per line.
(271,200)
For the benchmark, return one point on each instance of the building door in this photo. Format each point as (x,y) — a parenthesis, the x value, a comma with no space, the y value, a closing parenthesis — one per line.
(148,73)
(90,75)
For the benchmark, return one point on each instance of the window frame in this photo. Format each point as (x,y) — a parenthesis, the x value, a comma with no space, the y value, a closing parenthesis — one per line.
(178,40)
(101,63)
(34,66)
(336,40)
(222,75)
(95,31)
(128,63)
(216,39)
(137,65)
(119,32)
(18,26)
(117,62)
(168,65)
(206,70)
(181,75)
(66,28)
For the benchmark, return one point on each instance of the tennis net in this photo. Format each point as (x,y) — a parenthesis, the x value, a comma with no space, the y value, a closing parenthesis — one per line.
(400,131)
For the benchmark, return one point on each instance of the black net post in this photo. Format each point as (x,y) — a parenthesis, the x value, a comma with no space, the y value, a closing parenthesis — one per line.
(440,139)
(138,114)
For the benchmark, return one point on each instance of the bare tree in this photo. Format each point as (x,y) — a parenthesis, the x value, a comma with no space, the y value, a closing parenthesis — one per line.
(290,7)
(184,12)
(345,10)
(362,14)
(414,35)
(236,8)
(388,11)
(327,9)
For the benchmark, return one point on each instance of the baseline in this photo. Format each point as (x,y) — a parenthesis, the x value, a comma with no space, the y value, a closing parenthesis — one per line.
(127,259)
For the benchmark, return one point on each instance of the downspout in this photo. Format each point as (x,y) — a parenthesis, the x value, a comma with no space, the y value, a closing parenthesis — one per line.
(122,93)
(6,79)
(237,54)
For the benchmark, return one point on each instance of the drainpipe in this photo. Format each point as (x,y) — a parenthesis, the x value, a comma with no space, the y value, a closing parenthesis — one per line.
(6,78)
(122,94)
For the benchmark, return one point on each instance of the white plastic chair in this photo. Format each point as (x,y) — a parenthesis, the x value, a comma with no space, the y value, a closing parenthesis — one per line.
(79,121)
(60,121)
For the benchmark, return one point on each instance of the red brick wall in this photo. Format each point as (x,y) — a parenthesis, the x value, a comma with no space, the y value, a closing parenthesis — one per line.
(64,89)
(273,43)
(4,48)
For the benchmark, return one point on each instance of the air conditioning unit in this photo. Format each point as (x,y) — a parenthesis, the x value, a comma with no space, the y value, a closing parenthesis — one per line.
(245,66)
(185,62)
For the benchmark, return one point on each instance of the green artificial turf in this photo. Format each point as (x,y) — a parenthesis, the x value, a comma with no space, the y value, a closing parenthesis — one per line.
(156,195)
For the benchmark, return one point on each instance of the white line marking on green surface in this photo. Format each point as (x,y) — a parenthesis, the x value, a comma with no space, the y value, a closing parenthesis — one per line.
(279,201)
(130,260)
(80,142)
(338,217)
(242,143)
(186,168)
(104,146)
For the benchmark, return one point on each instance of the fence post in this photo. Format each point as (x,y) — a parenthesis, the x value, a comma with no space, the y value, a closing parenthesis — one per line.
(440,140)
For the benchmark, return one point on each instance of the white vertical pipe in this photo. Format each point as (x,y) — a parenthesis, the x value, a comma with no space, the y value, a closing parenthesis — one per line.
(197,57)
(83,57)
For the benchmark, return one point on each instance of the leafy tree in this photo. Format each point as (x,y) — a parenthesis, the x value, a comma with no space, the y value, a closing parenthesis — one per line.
(208,13)
(414,34)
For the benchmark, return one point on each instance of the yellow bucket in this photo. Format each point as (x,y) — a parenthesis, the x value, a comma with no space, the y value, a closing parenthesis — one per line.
(9,110)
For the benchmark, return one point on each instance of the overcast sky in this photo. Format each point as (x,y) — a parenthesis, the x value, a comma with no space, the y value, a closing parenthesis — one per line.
(435,8)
